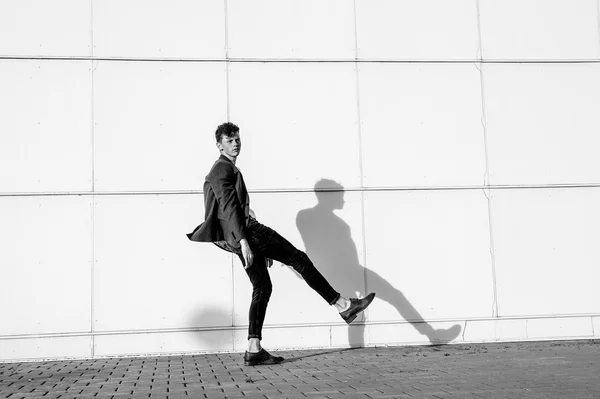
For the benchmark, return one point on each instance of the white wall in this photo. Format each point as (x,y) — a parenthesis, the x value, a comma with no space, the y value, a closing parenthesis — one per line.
(463,133)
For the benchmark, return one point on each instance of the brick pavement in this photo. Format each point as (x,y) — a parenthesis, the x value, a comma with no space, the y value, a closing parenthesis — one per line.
(500,370)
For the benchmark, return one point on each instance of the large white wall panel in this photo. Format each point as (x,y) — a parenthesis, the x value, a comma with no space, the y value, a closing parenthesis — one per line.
(543,123)
(421,125)
(422,30)
(428,254)
(163,342)
(46,28)
(46,348)
(159,28)
(539,29)
(291,29)
(155,123)
(46,139)
(298,123)
(287,337)
(45,264)
(546,248)
(329,231)
(148,275)
(560,327)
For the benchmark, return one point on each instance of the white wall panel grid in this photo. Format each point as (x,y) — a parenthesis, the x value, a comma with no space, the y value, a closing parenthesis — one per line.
(45,264)
(147,274)
(288,337)
(29,28)
(114,274)
(539,29)
(33,348)
(543,123)
(540,328)
(298,123)
(421,125)
(159,29)
(350,335)
(428,255)
(291,29)
(147,343)
(596,326)
(480,330)
(329,230)
(406,334)
(424,30)
(545,245)
(46,140)
(155,122)
(560,327)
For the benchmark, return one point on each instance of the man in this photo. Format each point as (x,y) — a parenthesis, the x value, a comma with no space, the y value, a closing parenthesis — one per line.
(230,224)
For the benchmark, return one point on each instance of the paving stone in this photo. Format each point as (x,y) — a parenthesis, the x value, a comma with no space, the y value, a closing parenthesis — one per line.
(552,370)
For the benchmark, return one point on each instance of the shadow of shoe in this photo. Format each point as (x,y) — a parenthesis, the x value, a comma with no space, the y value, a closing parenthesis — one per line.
(322,353)
(442,337)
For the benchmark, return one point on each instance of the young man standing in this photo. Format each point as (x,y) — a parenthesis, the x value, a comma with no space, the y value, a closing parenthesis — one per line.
(230,224)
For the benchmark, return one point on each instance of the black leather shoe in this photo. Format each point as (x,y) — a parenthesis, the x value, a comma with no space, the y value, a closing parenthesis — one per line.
(259,358)
(356,306)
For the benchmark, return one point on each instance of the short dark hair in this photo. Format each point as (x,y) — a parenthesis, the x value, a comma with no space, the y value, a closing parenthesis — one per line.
(226,129)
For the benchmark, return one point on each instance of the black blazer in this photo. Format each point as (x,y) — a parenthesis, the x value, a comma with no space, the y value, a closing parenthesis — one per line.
(227,205)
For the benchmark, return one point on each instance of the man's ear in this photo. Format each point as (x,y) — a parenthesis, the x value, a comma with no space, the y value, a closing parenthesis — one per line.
(219,146)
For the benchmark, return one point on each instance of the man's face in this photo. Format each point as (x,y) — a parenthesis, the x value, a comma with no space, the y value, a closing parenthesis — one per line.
(230,146)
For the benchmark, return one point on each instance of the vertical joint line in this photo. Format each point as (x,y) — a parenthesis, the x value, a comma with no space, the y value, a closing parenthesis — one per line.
(226,58)
(360,155)
(480,48)
(356,33)
(93,177)
(92,90)
(598,10)
(358,118)
(233,299)
(93,130)
(487,182)
(483,107)
(228,120)
(92,274)
(227,88)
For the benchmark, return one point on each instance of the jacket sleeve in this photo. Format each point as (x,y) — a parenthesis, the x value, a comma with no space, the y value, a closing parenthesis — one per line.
(222,180)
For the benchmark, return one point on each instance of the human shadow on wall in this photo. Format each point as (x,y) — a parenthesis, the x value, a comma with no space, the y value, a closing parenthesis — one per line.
(216,339)
(328,242)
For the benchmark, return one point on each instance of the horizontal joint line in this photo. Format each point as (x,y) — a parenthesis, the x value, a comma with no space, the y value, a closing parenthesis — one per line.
(304,190)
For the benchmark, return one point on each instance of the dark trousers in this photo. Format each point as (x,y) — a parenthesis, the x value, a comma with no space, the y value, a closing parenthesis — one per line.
(267,243)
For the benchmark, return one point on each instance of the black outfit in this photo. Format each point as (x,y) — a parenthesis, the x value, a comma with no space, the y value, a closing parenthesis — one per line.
(227,221)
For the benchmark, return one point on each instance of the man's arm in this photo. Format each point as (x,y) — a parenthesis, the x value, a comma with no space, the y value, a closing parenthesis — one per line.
(222,181)
(247,253)
(268,260)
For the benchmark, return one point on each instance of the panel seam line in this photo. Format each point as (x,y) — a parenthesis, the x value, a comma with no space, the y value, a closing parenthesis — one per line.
(487,182)
(227,99)
(360,161)
(93,199)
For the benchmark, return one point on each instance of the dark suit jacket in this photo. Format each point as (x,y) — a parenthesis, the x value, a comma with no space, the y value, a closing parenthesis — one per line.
(226,203)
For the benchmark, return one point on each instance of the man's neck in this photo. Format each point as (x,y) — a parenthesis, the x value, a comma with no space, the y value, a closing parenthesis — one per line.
(232,159)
